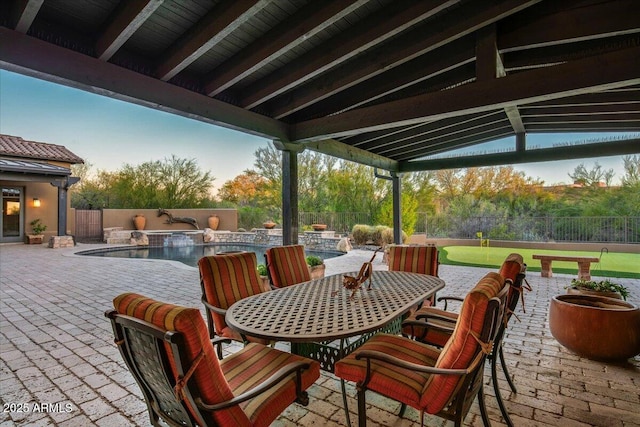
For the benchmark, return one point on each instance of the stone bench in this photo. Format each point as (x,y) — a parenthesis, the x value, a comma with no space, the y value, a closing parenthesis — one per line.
(584,264)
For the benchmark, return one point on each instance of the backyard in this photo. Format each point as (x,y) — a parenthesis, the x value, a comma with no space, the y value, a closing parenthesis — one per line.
(612,264)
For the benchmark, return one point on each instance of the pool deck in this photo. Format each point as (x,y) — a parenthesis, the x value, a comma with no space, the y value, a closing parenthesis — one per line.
(57,347)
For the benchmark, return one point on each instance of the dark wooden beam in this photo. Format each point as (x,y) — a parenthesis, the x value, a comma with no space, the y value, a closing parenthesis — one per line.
(465,20)
(435,131)
(584,127)
(585,118)
(343,151)
(601,98)
(574,110)
(304,24)
(613,70)
(27,55)
(221,21)
(122,26)
(23,14)
(440,67)
(569,24)
(577,151)
(364,35)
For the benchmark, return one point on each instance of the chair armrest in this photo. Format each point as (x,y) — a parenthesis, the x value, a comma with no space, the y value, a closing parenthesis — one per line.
(436,316)
(370,355)
(218,341)
(272,381)
(446,299)
(218,310)
(428,326)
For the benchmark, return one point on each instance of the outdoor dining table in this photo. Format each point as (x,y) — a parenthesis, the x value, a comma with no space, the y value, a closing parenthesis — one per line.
(322,322)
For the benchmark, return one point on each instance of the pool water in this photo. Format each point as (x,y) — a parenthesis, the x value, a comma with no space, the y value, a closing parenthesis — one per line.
(190,255)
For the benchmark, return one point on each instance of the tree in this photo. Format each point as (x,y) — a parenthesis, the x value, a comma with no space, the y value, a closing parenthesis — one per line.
(243,190)
(592,178)
(631,171)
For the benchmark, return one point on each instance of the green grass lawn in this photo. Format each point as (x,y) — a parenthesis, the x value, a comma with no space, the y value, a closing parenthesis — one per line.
(611,264)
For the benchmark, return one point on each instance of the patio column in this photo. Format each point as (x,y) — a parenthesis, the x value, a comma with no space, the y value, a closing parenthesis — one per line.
(289,190)
(63,187)
(397,211)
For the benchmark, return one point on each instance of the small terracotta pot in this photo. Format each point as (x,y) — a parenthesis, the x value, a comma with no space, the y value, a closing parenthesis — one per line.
(269,225)
(596,327)
(319,227)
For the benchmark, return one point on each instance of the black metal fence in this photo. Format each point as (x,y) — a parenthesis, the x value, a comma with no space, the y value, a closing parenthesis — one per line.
(615,229)
(624,229)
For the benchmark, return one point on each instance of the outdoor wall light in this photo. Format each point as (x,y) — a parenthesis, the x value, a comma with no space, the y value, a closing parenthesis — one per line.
(36,202)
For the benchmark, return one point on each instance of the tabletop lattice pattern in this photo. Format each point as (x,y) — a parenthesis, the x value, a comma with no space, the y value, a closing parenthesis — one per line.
(309,312)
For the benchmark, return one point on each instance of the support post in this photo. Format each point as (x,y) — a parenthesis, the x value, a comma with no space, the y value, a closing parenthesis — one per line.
(63,188)
(289,191)
(397,211)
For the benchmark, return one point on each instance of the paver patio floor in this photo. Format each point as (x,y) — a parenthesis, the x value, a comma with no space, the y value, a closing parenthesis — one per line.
(56,347)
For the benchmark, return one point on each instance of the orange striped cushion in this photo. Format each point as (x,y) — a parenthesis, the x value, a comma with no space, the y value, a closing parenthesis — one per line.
(245,370)
(404,385)
(228,278)
(511,267)
(414,259)
(287,265)
(208,375)
(461,347)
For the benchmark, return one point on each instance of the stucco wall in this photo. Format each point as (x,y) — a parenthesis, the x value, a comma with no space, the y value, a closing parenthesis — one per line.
(124,218)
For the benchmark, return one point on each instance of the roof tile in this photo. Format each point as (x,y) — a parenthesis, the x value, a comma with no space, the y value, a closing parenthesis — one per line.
(14,146)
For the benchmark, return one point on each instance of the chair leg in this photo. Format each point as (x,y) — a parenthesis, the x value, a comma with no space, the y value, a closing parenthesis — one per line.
(494,379)
(506,371)
(403,408)
(345,403)
(483,408)
(362,407)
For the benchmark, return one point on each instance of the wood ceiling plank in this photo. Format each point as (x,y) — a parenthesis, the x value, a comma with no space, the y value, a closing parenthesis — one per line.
(337,149)
(23,14)
(612,70)
(576,23)
(123,25)
(362,36)
(221,21)
(295,30)
(455,25)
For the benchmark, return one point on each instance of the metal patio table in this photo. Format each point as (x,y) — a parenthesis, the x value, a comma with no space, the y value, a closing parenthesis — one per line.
(322,322)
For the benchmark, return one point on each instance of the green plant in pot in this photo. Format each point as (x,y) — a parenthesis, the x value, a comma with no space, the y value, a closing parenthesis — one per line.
(37,230)
(603,287)
(262,272)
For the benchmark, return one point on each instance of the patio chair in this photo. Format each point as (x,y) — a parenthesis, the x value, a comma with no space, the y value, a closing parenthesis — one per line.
(432,325)
(421,259)
(225,279)
(286,265)
(167,350)
(439,382)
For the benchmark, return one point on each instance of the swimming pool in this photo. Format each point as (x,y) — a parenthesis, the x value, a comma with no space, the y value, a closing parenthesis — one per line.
(189,255)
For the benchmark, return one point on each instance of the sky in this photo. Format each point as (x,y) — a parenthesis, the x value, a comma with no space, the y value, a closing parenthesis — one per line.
(108,133)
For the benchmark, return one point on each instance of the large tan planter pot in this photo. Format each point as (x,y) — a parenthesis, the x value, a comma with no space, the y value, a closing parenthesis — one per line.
(596,327)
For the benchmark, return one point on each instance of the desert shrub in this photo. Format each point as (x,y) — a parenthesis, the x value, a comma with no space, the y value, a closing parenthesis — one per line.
(360,234)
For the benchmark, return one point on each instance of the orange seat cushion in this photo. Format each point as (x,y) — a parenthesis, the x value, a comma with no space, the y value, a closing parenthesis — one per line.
(422,391)
(414,259)
(227,279)
(218,381)
(287,265)
(208,376)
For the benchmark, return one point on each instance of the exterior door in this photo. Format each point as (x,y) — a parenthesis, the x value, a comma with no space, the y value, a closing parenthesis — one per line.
(12,220)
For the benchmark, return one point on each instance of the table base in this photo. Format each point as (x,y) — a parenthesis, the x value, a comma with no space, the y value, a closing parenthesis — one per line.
(327,353)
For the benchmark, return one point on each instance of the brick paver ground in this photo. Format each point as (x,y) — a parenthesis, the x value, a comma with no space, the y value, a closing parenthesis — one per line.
(59,366)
